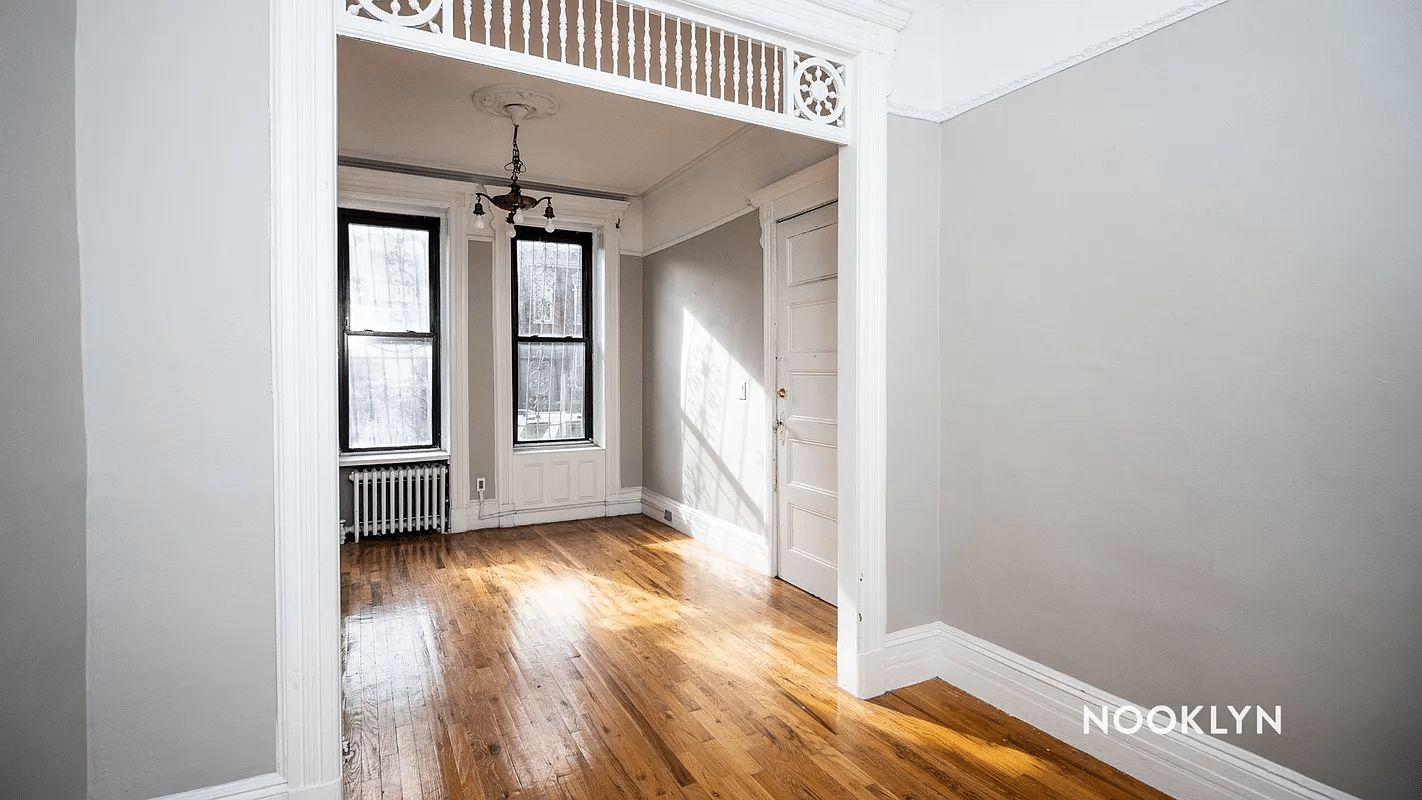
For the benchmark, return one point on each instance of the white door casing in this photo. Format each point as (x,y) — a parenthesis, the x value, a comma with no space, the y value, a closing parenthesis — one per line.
(303,171)
(806,400)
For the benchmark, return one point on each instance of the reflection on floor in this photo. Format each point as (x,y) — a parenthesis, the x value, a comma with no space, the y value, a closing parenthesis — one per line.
(616,658)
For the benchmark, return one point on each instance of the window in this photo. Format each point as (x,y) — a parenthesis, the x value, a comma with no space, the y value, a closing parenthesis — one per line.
(552,336)
(389,345)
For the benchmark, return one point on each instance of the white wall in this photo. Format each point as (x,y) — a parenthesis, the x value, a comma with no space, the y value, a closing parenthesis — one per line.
(43,750)
(1182,376)
(958,54)
(172,171)
(913,380)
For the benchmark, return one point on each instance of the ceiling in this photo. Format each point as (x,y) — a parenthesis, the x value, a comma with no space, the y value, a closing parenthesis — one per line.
(414,108)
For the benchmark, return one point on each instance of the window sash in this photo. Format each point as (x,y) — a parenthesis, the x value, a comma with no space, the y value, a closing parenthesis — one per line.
(431,335)
(584,343)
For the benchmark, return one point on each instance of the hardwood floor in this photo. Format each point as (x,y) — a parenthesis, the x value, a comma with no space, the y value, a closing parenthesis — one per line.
(616,658)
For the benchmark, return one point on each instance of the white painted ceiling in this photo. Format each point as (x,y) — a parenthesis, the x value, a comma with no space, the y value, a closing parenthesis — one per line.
(414,108)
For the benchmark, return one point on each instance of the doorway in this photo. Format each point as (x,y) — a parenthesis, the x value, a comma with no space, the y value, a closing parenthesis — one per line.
(806,417)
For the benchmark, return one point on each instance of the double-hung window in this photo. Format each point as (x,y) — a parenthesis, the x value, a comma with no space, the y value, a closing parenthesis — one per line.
(552,336)
(389,316)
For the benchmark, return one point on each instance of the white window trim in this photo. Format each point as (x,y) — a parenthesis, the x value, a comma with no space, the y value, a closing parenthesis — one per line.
(393,457)
(602,219)
(372,190)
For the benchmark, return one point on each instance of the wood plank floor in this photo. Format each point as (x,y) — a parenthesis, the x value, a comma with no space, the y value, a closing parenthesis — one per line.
(616,658)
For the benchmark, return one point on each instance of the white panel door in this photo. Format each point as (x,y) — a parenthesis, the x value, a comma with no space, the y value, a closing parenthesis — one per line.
(806,410)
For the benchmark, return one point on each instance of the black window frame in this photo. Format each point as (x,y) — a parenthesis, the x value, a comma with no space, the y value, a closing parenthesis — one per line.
(585,239)
(345,217)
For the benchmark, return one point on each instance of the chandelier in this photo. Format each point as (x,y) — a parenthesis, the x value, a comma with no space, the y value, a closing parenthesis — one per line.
(515,202)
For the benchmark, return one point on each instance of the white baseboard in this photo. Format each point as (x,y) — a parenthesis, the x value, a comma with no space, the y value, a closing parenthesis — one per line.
(621,503)
(478,516)
(741,545)
(1186,766)
(325,791)
(261,787)
(909,656)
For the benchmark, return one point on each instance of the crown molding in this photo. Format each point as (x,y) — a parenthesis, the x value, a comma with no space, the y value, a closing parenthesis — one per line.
(353,160)
(675,175)
(948,112)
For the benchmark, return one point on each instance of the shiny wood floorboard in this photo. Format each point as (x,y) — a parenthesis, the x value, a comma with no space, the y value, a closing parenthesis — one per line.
(616,658)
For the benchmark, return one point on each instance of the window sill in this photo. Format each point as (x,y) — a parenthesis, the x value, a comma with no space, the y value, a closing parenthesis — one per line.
(539,447)
(392,457)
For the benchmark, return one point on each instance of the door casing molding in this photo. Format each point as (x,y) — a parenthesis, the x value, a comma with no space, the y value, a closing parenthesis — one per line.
(806,190)
(303,283)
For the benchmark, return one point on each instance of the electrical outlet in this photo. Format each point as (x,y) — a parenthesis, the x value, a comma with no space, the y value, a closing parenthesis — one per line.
(666,512)
(478,484)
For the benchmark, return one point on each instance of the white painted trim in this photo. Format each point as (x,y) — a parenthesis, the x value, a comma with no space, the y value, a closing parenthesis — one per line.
(460,174)
(628,501)
(607,410)
(330,791)
(400,457)
(811,179)
(476,53)
(710,226)
(832,23)
(911,656)
(1185,766)
(948,112)
(303,94)
(477,517)
(863,404)
(565,513)
(376,190)
(739,544)
(600,217)
(305,442)
(261,787)
(810,188)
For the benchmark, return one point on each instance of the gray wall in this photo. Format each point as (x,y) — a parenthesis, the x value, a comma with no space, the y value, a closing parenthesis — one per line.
(702,331)
(483,389)
(42,461)
(629,345)
(483,436)
(913,355)
(1182,376)
(172,171)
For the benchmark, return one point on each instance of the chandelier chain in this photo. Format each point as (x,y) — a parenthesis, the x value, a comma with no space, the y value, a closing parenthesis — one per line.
(515,167)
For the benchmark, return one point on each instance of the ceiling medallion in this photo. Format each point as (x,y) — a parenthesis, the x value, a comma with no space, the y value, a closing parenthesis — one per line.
(519,105)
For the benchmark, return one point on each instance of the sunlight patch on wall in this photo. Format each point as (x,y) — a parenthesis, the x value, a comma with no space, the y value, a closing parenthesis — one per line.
(723,436)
